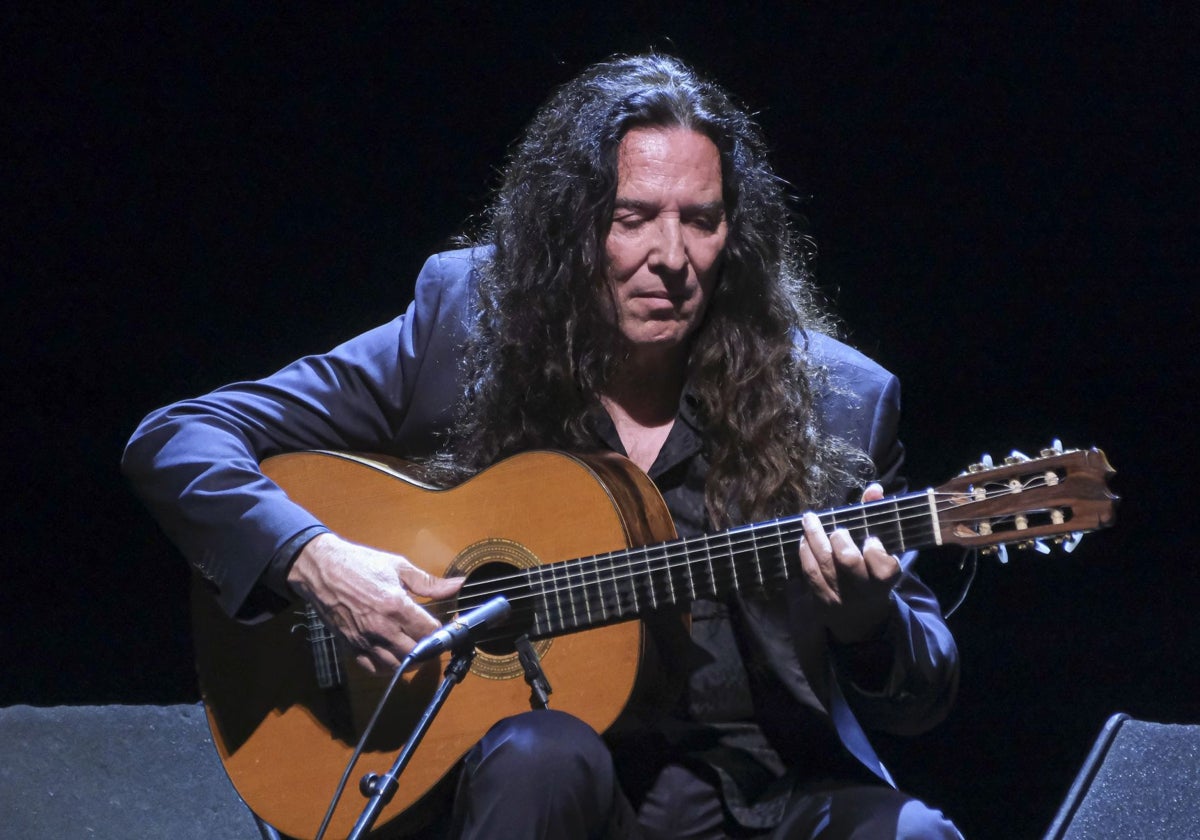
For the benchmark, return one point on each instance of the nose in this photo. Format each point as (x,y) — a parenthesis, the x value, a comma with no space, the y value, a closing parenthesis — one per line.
(667,252)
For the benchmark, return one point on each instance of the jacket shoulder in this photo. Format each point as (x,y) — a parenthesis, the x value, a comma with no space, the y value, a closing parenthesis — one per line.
(846,367)
(454,268)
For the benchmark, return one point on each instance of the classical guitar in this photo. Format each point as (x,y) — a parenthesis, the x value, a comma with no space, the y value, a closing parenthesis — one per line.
(580,545)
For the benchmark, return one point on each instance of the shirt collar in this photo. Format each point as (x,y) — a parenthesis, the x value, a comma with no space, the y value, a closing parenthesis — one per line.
(684,440)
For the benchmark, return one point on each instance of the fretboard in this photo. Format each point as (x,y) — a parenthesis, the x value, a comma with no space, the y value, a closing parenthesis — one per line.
(622,585)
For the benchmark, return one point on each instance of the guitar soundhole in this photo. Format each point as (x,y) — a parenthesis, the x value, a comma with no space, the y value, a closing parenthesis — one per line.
(488,580)
(497,567)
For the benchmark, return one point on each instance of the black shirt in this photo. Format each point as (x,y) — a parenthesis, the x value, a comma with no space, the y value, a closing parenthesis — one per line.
(733,721)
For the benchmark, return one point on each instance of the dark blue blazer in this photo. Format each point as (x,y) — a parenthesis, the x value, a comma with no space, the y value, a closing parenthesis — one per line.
(392,389)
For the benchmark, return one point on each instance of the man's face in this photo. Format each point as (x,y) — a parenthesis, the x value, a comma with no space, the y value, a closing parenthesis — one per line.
(668,230)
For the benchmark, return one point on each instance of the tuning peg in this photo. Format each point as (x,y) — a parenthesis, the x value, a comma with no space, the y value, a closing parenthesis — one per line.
(1002,553)
(984,463)
(1040,547)
(1069,543)
(1055,448)
(1017,458)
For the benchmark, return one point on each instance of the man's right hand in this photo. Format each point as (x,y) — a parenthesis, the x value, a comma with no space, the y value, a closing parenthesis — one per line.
(366,595)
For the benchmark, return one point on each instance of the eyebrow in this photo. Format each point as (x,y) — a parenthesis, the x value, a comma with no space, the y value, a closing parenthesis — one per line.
(650,206)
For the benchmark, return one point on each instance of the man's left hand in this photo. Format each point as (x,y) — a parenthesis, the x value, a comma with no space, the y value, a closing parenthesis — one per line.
(852,584)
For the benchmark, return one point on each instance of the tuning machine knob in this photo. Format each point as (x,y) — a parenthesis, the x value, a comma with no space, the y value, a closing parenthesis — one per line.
(1055,448)
(984,463)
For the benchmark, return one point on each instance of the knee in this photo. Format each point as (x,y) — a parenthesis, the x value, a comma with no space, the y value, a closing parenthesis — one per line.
(538,774)
(867,812)
(918,821)
(544,747)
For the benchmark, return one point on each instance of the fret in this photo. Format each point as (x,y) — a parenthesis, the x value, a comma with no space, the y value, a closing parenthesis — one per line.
(670,575)
(687,567)
(618,579)
(618,605)
(633,587)
(743,549)
(627,586)
(557,588)
(734,582)
(888,526)
(569,588)
(783,550)
(584,588)
(650,575)
(758,571)
(549,596)
(697,557)
(622,578)
(640,578)
(899,530)
(712,575)
(604,570)
(862,530)
(913,522)
(544,614)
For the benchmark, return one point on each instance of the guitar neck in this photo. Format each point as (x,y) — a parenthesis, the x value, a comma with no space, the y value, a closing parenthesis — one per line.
(621,585)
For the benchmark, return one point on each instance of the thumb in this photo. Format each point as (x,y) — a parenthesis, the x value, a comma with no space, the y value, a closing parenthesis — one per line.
(421,582)
(873,493)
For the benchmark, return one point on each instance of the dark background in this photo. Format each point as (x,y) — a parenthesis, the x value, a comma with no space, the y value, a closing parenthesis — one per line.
(1003,200)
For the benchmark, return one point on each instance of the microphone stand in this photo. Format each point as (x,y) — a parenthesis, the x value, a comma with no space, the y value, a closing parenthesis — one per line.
(535,677)
(379,790)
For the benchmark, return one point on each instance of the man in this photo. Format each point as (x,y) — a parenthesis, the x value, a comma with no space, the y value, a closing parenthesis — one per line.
(637,288)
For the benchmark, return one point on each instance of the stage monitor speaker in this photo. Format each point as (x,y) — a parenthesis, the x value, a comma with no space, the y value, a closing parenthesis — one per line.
(1140,781)
(116,772)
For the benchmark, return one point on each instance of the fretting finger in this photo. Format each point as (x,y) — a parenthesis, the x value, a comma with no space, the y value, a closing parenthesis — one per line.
(847,557)
(822,585)
(817,542)
(879,564)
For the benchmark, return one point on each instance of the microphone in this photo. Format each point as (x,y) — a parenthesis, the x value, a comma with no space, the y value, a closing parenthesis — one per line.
(461,630)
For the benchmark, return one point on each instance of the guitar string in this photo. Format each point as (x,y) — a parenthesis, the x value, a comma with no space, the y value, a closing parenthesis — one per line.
(576,578)
(914,506)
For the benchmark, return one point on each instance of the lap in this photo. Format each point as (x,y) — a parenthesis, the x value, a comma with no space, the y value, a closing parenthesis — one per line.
(832,810)
(683,805)
(547,774)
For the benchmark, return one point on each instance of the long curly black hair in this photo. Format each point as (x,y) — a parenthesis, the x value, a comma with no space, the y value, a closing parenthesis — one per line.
(543,347)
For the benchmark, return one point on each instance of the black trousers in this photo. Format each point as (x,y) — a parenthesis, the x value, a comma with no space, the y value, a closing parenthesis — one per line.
(546,774)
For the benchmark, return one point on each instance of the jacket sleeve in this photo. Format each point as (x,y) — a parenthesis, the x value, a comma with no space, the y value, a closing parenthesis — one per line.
(916,675)
(195,463)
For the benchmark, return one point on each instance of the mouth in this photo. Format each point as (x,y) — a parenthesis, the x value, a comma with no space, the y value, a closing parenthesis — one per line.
(662,294)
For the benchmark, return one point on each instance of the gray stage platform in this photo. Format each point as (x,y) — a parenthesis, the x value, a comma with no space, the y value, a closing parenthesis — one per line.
(118,772)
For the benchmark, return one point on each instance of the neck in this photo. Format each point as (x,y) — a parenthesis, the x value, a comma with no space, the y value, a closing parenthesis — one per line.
(646,387)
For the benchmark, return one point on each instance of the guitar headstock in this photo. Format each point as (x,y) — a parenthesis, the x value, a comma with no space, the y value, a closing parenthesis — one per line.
(1057,495)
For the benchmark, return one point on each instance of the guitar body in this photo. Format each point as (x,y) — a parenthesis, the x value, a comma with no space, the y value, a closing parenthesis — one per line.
(580,546)
(284,740)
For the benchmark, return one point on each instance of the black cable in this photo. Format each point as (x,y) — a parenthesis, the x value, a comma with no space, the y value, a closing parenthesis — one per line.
(972,555)
(362,741)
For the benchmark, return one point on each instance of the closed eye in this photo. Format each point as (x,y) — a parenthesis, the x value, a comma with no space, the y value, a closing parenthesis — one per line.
(707,222)
(629,221)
